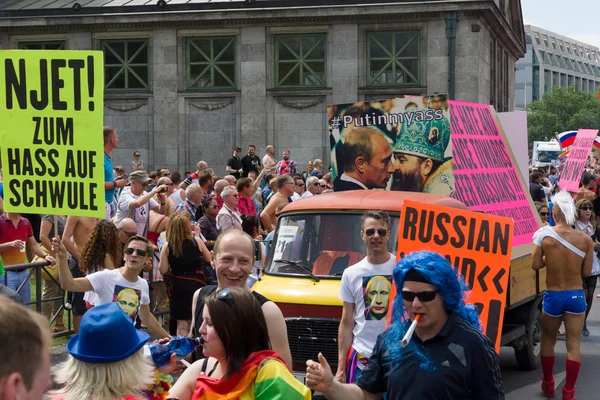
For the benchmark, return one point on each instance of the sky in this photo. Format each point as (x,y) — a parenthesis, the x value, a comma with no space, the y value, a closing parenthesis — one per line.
(577,19)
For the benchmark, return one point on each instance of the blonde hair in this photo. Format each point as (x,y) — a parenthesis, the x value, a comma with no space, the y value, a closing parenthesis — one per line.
(177,231)
(108,381)
(566,206)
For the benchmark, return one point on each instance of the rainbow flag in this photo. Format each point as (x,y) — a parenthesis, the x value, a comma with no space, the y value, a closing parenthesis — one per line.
(264,376)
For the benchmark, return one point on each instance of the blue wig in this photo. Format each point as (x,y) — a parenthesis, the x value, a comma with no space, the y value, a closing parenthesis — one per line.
(438,271)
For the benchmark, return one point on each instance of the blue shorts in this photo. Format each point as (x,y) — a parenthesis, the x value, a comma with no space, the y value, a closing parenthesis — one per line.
(558,302)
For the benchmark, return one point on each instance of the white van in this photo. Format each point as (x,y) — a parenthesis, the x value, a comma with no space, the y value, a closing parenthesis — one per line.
(545,153)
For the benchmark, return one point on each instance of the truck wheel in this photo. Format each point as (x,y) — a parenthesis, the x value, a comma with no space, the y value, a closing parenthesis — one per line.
(528,357)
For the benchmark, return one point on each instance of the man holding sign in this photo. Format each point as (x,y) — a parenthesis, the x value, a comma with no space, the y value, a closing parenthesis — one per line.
(447,358)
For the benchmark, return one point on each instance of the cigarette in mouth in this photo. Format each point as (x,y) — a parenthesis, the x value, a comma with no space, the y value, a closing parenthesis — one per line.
(410,331)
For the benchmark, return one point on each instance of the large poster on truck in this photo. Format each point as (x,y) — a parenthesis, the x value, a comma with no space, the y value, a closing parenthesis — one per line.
(432,145)
(394,144)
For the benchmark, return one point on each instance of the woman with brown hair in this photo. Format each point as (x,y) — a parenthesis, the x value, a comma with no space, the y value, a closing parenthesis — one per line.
(103,250)
(181,261)
(586,222)
(240,362)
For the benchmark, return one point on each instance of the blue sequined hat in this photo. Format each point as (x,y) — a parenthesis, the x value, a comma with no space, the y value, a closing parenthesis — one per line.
(424,138)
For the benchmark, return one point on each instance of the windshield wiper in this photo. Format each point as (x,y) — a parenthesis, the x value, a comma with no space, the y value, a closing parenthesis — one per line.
(299,264)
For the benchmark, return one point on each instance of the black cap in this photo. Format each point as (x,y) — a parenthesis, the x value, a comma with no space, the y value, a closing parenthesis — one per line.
(238,149)
(415,276)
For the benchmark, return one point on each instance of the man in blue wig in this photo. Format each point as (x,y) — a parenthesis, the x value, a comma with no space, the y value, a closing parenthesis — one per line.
(447,358)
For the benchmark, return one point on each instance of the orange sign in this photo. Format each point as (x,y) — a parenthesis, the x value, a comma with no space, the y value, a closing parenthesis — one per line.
(476,244)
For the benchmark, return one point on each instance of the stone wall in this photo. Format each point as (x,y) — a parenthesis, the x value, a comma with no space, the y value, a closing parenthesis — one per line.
(175,127)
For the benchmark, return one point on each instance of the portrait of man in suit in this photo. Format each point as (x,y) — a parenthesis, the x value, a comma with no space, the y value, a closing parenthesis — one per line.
(365,160)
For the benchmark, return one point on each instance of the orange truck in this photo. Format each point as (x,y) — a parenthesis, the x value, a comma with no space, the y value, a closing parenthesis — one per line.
(317,238)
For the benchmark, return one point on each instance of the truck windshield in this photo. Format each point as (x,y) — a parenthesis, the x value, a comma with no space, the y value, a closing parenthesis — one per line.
(320,244)
(547,156)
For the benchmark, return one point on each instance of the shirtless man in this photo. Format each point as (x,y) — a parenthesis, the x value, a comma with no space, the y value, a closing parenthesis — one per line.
(285,188)
(586,191)
(269,162)
(75,236)
(567,254)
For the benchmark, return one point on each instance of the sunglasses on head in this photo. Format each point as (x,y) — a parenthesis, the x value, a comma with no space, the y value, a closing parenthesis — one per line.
(370,232)
(139,252)
(225,295)
(587,208)
(423,297)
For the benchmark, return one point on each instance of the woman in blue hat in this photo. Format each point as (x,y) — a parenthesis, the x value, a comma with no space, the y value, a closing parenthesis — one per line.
(106,360)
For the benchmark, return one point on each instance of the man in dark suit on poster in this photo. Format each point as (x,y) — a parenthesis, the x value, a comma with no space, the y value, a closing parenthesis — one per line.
(364,160)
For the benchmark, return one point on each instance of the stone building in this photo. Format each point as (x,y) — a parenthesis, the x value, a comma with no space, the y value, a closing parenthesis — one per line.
(551,61)
(190,79)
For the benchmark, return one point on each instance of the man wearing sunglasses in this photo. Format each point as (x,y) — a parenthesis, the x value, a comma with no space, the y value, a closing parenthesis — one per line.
(447,357)
(127,230)
(107,284)
(136,204)
(365,292)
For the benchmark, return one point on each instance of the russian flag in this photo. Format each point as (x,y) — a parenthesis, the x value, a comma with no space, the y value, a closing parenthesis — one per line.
(566,139)
(597,142)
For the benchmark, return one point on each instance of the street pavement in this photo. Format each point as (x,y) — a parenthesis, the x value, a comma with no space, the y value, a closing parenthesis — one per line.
(525,385)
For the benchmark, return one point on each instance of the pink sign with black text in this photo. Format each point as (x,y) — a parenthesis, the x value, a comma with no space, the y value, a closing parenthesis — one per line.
(485,175)
(571,173)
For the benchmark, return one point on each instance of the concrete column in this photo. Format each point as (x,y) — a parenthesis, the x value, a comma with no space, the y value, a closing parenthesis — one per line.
(343,57)
(253,83)
(166,137)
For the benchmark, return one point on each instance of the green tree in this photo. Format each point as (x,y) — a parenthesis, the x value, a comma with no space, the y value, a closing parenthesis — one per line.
(562,109)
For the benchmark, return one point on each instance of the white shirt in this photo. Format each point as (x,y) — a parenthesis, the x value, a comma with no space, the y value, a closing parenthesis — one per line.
(347,178)
(139,214)
(227,219)
(295,196)
(110,286)
(369,287)
(176,197)
(306,194)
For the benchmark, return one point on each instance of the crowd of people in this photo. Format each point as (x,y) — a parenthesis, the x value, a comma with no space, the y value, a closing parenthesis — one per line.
(193,245)
(567,246)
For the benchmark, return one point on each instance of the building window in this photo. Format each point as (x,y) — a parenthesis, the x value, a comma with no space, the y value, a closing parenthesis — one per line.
(58,45)
(300,60)
(211,62)
(535,95)
(394,58)
(125,64)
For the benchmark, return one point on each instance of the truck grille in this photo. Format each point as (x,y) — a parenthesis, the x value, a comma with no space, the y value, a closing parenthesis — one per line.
(309,336)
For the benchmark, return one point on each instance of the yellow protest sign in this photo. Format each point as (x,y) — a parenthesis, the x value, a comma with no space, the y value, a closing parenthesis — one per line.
(52,106)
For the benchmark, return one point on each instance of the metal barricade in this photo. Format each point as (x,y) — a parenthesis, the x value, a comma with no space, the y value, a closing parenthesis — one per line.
(36,268)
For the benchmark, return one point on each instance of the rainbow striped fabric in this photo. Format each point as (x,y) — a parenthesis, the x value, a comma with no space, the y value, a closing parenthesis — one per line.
(264,376)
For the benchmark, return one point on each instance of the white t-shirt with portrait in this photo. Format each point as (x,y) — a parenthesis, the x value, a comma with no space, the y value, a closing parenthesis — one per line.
(110,286)
(369,287)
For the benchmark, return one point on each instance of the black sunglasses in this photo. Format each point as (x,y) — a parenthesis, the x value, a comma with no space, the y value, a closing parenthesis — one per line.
(586,208)
(129,234)
(225,294)
(543,214)
(139,252)
(382,232)
(423,297)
